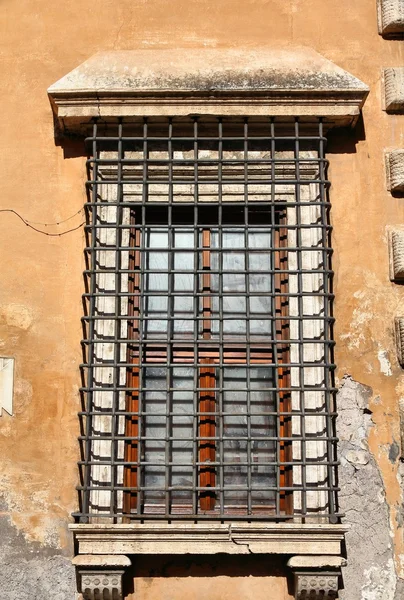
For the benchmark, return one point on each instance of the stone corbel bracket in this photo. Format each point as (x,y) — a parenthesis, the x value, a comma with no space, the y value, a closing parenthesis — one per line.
(316,577)
(100,577)
(393,86)
(221,82)
(396,254)
(395,171)
(390,17)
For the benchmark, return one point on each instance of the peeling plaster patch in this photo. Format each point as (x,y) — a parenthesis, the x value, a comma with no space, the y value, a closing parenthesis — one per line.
(370,573)
(37,519)
(385,366)
(361,316)
(399,590)
(32,571)
(357,457)
(394,452)
(353,341)
(400,509)
(379,583)
(22,396)
(17,315)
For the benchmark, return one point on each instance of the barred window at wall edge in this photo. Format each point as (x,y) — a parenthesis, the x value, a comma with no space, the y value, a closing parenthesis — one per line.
(208,387)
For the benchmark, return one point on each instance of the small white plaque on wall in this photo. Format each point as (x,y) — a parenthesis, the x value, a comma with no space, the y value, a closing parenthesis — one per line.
(6,384)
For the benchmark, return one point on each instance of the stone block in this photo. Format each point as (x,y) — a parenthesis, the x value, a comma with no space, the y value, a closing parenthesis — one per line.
(395,171)
(396,255)
(393,83)
(391,16)
(399,327)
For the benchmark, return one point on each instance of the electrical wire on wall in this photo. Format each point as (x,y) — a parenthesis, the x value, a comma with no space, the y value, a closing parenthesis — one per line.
(31,224)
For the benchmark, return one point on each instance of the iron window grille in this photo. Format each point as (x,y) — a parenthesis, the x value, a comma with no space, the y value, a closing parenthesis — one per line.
(208,373)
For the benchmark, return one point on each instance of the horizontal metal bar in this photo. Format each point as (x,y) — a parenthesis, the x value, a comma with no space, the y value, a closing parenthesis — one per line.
(255,390)
(202,365)
(230,488)
(123,463)
(212,516)
(263,138)
(280,204)
(264,438)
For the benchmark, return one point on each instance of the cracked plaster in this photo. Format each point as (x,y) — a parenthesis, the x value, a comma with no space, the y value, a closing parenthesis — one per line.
(32,570)
(370,573)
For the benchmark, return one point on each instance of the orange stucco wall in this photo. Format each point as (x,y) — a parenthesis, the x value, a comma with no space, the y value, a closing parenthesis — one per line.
(41,276)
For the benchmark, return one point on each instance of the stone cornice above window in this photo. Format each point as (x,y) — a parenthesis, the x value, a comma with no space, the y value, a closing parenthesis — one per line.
(227,82)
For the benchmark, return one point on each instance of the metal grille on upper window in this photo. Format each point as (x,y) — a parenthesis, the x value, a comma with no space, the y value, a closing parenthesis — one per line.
(208,373)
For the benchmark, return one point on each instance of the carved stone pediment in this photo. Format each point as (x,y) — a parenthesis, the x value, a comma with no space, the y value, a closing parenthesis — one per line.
(207,81)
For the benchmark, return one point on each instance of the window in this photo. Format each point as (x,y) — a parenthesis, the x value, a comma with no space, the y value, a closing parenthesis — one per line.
(208,389)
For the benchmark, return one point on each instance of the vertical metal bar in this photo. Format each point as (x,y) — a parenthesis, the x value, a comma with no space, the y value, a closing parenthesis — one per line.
(170,323)
(117,323)
(300,313)
(91,329)
(274,320)
(326,290)
(220,315)
(196,306)
(247,320)
(142,378)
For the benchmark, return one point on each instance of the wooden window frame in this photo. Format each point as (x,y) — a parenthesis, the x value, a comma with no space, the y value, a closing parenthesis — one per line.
(207,378)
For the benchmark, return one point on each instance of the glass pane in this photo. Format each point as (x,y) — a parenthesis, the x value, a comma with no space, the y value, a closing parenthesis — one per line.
(245,281)
(248,461)
(156,280)
(168,415)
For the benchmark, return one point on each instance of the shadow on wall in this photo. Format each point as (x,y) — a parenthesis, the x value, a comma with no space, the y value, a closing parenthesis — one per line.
(344,140)
(195,567)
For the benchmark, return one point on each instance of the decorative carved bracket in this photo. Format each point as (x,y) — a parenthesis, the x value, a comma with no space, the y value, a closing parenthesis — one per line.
(101,584)
(316,585)
(101,576)
(316,577)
